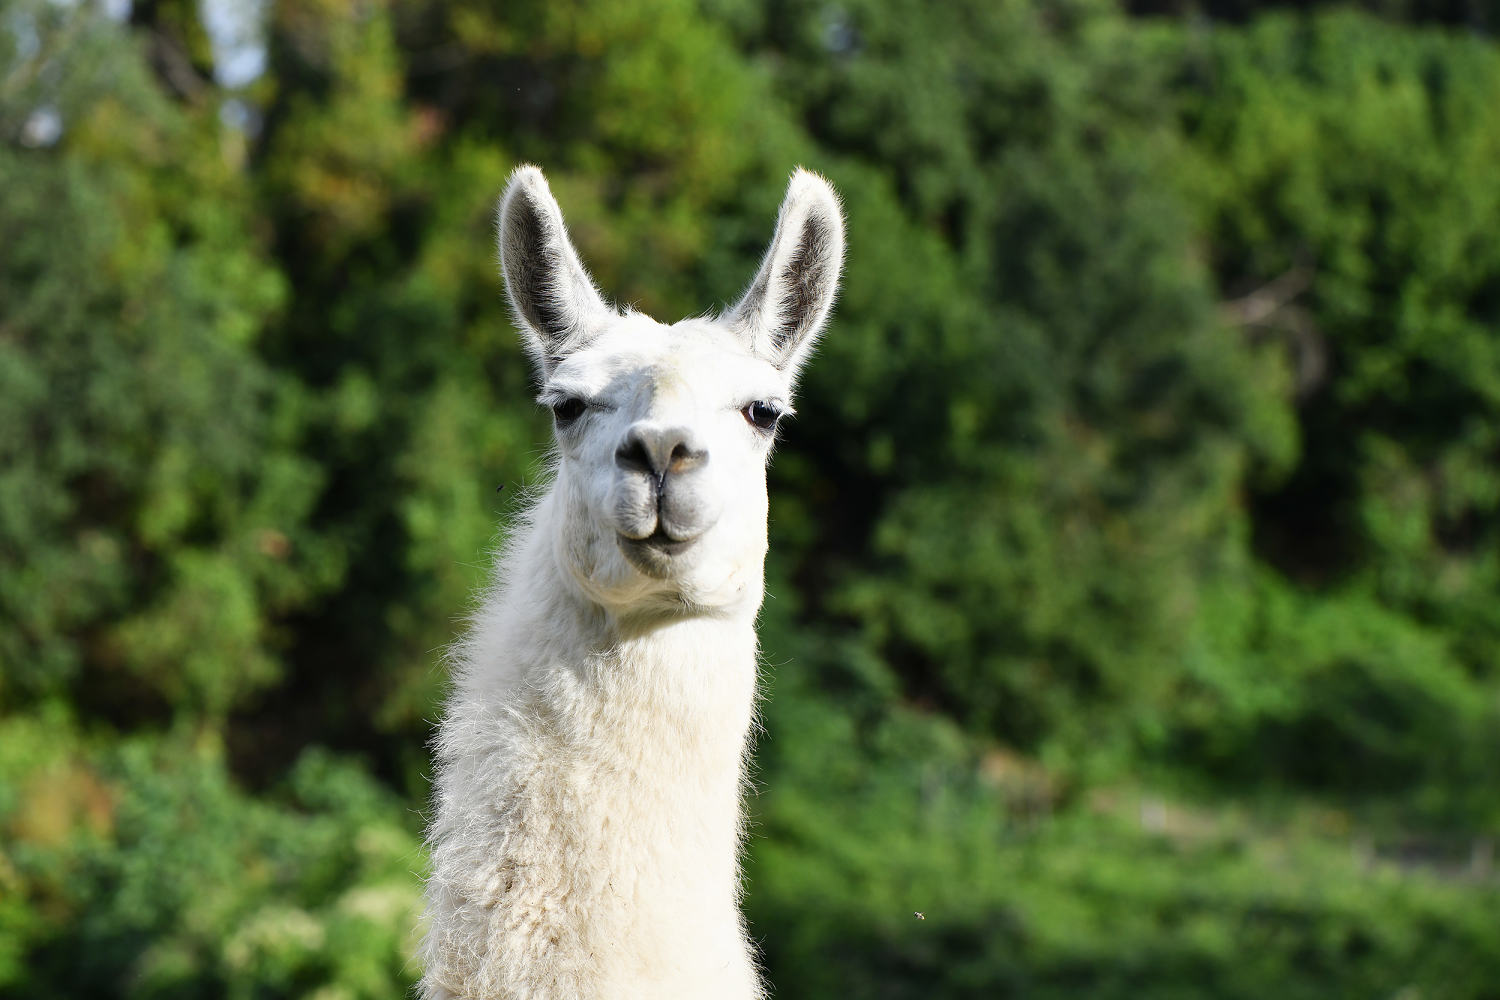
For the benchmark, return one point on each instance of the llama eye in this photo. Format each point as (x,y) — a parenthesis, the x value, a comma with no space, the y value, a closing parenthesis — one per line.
(568,410)
(762,414)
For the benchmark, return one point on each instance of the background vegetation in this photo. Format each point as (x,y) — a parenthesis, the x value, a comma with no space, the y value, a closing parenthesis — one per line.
(1136,553)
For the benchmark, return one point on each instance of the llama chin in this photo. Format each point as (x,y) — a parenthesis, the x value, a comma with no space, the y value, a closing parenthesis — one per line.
(589,765)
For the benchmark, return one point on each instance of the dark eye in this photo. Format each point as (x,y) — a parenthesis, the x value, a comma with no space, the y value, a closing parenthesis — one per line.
(568,410)
(762,414)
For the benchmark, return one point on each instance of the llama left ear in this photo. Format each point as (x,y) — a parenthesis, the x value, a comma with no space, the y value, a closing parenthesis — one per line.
(788,303)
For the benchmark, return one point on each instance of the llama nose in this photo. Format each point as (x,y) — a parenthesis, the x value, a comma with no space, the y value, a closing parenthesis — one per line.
(657,451)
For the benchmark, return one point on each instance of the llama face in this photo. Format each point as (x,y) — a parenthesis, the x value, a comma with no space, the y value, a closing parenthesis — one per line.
(663,432)
(662,470)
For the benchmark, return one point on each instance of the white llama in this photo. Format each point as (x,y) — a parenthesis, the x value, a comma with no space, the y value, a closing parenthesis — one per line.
(589,768)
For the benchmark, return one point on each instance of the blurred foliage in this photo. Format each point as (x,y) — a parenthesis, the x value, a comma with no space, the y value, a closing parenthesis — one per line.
(1135,555)
(150,874)
(1357,160)
(151,494)
(1479,15)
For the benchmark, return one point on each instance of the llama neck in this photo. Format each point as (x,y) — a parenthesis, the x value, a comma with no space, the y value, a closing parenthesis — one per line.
(655,711)
(588,793)
(538,641)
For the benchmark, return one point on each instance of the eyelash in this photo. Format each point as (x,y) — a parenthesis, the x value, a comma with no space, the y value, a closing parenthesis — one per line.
(763,415)
(566,411)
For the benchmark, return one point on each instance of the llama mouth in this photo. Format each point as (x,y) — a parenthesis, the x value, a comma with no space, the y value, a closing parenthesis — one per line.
(653,554)
(660,541)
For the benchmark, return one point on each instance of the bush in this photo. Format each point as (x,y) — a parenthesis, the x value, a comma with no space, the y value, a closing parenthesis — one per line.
(148,873)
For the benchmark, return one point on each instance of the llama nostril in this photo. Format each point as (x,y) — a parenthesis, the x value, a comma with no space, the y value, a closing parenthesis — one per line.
(685,457)
(633,456)
(657,451)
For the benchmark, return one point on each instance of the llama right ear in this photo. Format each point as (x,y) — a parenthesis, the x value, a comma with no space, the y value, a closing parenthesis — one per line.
(788,302)
(553,298)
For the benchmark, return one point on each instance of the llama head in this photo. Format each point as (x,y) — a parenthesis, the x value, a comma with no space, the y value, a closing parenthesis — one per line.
(663,431)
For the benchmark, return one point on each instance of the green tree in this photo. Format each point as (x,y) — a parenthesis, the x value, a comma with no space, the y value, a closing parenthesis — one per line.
(1059,421)
(152,502)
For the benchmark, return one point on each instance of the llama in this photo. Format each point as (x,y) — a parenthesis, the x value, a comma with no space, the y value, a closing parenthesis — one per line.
(589,767)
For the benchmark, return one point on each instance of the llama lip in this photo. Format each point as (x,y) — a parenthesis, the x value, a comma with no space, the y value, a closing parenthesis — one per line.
(659,541)
(653,554)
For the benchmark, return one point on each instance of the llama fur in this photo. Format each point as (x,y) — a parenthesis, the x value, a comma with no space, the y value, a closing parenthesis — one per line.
(590,763)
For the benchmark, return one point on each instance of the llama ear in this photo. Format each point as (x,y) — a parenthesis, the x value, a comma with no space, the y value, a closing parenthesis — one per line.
(553,298)
(787,304)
